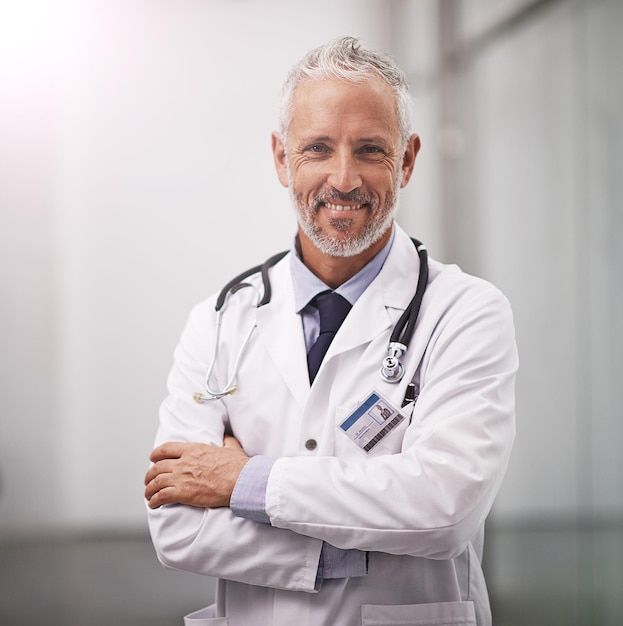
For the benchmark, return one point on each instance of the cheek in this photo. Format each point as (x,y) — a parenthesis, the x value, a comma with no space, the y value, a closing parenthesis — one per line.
(384,185)
(305,181)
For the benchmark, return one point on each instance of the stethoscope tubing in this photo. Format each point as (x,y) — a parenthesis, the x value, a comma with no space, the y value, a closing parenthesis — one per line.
(403,331)
(230,387)
(237,281)
(399,340)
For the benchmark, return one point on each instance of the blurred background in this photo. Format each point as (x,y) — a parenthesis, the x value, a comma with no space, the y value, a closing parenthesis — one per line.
(136,178)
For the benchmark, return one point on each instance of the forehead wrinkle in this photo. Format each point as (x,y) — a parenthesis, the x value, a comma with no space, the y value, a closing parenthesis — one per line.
(372,139)
(378,139)
(372,129)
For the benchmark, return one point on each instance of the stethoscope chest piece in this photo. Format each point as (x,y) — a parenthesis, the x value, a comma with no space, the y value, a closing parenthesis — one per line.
(392,369)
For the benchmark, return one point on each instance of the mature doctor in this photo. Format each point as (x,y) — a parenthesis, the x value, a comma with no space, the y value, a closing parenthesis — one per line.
(277,490)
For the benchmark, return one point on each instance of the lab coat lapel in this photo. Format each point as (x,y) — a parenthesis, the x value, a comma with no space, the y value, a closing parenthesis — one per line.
(281,331)
(382,303)
(377,310)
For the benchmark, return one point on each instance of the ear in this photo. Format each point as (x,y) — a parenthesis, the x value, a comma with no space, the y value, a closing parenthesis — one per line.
(408,160)
(280,157)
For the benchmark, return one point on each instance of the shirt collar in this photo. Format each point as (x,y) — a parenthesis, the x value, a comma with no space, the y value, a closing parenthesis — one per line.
(307,285)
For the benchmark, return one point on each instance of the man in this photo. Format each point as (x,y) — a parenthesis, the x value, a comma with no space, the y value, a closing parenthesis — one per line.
(284,490)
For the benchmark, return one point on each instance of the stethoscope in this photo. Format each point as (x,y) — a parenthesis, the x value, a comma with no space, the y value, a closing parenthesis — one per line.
(392,369)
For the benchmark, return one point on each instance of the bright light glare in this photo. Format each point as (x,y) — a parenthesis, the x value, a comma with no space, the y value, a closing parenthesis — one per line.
(30,32)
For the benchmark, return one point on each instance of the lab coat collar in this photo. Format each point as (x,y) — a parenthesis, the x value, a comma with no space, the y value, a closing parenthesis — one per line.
(307,285)
(382,303)
(377,310)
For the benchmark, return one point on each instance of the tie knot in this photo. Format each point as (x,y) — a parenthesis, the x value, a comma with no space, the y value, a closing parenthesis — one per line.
(333,309)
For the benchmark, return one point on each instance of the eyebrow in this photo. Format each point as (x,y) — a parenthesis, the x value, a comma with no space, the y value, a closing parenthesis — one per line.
(374,139)
(314,138)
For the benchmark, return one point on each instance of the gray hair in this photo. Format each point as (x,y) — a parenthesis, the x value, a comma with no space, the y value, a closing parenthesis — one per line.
(345,59)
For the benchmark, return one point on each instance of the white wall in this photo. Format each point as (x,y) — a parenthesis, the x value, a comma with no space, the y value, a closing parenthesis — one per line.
(532,203)
(135,179)
(416,44)
(529,216)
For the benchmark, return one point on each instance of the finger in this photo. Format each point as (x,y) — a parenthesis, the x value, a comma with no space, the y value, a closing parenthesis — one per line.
(163,496)
(231,442)
(158,483)
(168,450)
(161,467)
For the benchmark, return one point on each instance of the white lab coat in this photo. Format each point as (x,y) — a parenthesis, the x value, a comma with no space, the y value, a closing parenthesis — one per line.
(418,504)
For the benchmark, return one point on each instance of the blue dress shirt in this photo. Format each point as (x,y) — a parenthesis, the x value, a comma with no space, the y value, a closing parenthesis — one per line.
(248,499)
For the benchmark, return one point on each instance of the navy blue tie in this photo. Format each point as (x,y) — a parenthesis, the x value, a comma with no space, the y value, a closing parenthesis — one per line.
(333,310)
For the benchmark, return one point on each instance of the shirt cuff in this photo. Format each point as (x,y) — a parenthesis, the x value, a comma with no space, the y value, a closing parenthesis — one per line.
(248,499)
(337,563)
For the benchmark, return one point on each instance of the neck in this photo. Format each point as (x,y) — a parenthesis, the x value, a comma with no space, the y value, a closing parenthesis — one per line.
(335,271)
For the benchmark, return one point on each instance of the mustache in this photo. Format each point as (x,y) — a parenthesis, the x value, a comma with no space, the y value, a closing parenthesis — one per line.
(332,195)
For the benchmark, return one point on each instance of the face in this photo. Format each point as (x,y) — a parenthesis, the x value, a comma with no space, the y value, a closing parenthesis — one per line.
(344,164)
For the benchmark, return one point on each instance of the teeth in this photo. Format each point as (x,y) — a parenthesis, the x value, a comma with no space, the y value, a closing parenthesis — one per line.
(342,207)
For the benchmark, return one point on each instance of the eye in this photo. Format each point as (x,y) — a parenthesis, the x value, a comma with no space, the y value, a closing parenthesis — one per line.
(371,150)
(317,148)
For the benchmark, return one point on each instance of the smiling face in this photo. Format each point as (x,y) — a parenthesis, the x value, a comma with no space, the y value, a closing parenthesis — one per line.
(344,164)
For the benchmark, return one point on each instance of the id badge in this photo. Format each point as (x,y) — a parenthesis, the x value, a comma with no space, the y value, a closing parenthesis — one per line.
(371,422)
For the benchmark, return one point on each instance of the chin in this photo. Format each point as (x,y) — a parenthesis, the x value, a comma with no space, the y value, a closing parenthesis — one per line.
(341,244)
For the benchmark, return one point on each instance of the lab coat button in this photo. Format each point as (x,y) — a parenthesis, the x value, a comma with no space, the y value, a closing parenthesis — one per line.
(311,444)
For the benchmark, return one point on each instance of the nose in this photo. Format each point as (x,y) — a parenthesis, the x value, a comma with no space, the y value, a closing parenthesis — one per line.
(344,172)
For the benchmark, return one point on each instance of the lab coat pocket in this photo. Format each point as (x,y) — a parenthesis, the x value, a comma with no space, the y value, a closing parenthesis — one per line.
(430,614)
(205,617)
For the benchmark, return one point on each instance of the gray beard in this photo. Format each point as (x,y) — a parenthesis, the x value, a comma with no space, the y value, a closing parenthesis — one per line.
(350,246)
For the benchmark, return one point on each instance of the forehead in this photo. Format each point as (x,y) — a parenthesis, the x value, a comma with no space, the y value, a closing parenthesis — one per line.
(333,104)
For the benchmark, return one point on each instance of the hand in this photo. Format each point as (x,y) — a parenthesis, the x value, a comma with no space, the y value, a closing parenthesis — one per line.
(194,473)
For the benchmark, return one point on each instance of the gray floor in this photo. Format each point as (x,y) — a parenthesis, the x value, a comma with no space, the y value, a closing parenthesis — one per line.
(537,577)
(556,575)
(96,582)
